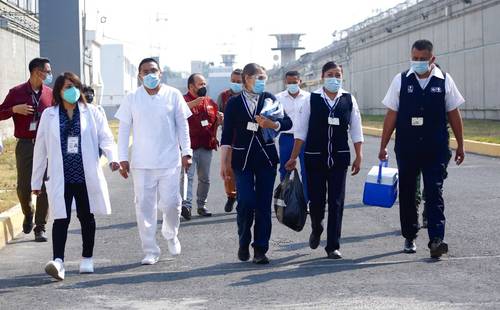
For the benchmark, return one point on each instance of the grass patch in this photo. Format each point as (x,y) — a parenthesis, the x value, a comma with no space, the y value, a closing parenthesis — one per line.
(8,179)
(476,130)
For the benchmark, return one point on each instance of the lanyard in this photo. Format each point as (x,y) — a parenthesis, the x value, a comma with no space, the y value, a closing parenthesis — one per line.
(335,103)
(69,129)
(36,103)
(252,115)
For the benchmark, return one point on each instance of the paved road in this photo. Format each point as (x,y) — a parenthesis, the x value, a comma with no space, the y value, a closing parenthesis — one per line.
(373,275)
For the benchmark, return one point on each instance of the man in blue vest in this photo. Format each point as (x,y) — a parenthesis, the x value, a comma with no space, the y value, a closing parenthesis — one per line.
(421,102)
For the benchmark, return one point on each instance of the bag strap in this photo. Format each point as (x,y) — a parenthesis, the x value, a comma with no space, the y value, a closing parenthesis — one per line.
(383,163)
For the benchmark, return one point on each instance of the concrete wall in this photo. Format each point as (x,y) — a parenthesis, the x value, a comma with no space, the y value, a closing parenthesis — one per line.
(467,45)
(119,75)
(61,35)
(15,53)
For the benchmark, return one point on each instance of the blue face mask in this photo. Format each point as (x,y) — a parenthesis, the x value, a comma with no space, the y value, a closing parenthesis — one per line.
(151,81)
(332,84)
(293,88)
(236,87)
(420,67)
(259,86)
(48,79)
(71,95)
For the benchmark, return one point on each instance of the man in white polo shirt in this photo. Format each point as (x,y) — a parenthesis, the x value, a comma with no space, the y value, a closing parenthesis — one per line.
(293,99)
(421,102)
(157,115)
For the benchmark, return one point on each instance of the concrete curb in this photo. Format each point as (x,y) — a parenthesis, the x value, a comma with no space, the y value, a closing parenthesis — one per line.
(11,224)
(481,148)
(11,221)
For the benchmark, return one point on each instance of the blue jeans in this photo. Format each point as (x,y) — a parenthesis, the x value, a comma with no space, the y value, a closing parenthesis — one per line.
(286,142)
(255,194)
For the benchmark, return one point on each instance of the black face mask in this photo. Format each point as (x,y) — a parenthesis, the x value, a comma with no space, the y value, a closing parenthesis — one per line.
(89,98)
(201,92)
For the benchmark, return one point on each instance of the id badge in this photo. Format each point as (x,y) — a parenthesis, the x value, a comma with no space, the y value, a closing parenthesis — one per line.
(417,121)
(72,145)
(33,125)
(333,121)
(252,126)
(204,123)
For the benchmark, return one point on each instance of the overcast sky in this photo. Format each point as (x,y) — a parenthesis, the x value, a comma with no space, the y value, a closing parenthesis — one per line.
(181,31)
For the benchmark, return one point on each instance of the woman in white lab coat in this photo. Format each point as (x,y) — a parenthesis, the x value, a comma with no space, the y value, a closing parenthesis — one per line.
(67,148)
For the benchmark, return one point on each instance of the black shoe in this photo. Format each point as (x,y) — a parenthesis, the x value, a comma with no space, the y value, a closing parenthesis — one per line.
(27,224)
(229,204)
(204,212)
(243,254)
(260,258)
(314,240)
(334,255)
(438,247)
(40,235)
(410,247)
(186,213)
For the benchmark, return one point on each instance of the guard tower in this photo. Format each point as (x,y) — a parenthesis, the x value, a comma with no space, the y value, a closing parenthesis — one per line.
(287,44)
(228,60)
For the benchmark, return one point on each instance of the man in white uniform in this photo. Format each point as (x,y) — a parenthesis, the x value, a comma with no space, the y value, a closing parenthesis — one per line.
(292,99)
(157,115)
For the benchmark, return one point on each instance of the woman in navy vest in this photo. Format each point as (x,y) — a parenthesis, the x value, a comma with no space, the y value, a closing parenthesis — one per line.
(253,160)
(324,125)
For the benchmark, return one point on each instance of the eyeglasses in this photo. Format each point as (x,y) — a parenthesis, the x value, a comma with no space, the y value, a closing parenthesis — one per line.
(261,77)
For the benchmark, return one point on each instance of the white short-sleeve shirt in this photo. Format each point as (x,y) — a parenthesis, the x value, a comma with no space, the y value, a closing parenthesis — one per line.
(293,105)
(156,122)
(453,98)
(355,127)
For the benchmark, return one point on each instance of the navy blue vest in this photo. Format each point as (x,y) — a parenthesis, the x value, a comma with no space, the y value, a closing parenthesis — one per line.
(432,137)
(327,145)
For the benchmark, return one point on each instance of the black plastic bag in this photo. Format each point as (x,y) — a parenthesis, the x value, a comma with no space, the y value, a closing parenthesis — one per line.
(289,202)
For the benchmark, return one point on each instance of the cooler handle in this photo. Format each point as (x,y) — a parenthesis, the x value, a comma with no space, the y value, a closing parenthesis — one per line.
(383,163)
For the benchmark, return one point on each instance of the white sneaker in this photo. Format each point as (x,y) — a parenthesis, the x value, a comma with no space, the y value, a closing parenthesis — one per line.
(87,265)
(150,259)
(174,246)
(55,268)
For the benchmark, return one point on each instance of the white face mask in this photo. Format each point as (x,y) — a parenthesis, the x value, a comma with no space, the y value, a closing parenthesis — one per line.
(293,88)
(420,67)
(151,81)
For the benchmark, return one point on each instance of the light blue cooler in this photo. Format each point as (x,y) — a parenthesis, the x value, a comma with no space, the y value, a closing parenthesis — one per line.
(381,186)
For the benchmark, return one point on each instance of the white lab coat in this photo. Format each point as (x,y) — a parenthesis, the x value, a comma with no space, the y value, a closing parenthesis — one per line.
(95,134)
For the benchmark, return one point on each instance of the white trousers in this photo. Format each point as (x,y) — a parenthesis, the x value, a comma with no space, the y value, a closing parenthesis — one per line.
(156,189)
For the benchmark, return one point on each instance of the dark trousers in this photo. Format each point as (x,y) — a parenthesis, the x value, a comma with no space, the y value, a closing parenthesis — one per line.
(419,196)
(87,221)
(334,180)
(433,173)
(286,142)
(255,194)
(24,164)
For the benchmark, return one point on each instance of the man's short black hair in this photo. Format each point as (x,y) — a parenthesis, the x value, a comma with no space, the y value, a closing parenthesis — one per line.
(423,45)
(38,63)
(237,72)
(329,65)
(292,73)
(146,60)
(191,78)
(87,89)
